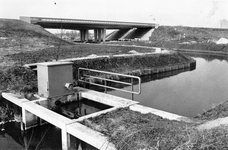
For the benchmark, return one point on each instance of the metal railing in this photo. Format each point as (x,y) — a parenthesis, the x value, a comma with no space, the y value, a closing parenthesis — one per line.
(85,76)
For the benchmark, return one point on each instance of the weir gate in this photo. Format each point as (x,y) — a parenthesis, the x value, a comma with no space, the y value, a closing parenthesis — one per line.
(56,89)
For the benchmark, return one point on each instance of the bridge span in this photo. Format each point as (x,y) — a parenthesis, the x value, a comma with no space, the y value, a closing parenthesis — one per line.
(124,30)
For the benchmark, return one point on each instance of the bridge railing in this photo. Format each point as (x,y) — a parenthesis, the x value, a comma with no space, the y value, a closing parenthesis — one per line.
(89,76)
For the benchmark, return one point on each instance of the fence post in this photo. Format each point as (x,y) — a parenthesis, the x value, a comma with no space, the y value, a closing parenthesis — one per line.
(132,88)
(105,82)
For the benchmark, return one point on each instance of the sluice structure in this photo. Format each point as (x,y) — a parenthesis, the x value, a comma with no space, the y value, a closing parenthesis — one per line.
(56,89)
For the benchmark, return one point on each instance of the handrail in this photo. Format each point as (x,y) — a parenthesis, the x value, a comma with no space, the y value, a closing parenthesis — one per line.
(88,76)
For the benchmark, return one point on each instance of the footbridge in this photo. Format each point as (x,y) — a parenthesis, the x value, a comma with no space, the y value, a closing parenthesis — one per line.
(124,30)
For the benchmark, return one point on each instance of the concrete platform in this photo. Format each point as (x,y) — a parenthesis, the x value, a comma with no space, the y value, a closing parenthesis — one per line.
(73,127)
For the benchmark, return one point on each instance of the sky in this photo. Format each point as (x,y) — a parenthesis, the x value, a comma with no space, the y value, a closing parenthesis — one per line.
(196,13)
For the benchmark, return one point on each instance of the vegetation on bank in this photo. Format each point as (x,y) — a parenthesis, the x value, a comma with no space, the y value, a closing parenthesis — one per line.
(129,64)
(218,111)
(25,43)
(18,79)
(17,34)
(78,50)
(130,130)
(180,37)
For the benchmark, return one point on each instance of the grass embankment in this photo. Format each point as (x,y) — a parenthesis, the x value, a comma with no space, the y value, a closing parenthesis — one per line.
(179,37)
(136,65)
(73,51)
(18,79)
(16,35)
(125,128)
(130,130)
(218,111)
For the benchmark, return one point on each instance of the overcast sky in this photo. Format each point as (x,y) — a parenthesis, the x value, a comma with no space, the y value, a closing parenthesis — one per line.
(206,13)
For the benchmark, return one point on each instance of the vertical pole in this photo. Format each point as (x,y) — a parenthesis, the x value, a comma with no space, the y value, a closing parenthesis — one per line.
(132,88)
(105,82)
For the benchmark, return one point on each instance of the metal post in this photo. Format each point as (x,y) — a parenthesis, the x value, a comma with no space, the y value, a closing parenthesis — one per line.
(132,88)
(105,83)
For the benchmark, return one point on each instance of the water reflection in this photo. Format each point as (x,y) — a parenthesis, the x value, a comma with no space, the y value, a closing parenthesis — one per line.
(42,137)
(207,57)
(76,109)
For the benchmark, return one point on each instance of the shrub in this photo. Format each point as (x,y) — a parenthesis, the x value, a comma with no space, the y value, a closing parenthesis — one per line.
(18,79)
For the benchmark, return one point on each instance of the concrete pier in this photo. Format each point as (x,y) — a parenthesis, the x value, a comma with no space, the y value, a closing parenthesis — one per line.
(95,35)
(73,127)
(104,34)
(31,111)
(99,34)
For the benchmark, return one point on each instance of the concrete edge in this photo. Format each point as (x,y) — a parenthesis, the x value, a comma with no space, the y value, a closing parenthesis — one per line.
(14,98)
(95,114)
(90,136)
(145,110)
(213,124)
(104,98)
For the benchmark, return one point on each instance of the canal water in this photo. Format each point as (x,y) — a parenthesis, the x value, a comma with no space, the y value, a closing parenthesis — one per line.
(47,136)
(186,92)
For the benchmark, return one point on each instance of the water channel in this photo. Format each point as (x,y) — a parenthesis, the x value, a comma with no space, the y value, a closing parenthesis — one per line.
(184,92)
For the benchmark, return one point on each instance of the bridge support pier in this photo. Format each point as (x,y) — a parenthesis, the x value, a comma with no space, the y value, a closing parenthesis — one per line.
(104,35)
(84,35)
(95,35)
(99,35)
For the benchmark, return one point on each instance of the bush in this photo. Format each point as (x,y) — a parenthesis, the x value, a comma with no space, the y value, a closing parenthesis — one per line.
(18,79)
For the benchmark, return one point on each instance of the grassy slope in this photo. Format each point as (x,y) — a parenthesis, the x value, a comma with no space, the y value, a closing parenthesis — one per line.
(189,38)
(73,51)
(34,37)
(130,130)
(16,35)
(179,37)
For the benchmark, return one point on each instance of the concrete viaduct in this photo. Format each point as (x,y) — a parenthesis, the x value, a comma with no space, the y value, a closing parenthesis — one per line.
(124,30)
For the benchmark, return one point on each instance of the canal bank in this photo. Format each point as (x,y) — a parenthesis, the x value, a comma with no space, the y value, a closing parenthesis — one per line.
(157,129)
(31,109)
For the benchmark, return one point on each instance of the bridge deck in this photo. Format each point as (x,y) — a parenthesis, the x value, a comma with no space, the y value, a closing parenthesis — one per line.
(84,24)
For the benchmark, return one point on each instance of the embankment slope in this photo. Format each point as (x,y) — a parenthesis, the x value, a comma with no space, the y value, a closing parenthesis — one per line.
(181,37)
(16,35)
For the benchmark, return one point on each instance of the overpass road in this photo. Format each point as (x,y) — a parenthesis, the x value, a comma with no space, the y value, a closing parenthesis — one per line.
(138,30)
